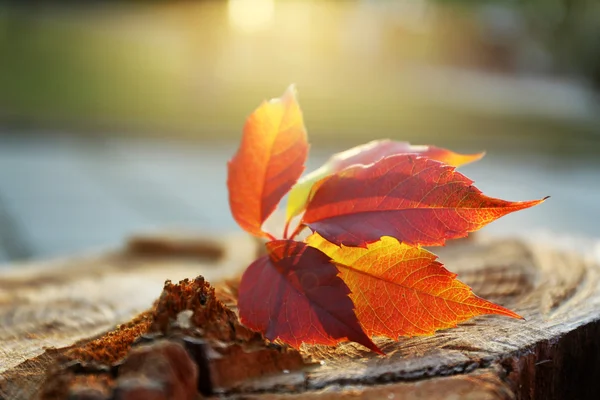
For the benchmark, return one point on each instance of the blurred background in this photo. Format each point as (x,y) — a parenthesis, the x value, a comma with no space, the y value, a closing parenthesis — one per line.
(118,117)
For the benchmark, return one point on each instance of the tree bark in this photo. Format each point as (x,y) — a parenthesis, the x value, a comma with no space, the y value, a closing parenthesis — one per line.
(553,354)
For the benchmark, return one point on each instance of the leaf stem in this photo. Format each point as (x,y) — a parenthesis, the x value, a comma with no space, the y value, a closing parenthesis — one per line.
(271,237)
(297,231)
(285,230)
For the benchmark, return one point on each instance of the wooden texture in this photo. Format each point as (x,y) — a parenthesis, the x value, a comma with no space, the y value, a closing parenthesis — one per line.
(53,305)
(553,354)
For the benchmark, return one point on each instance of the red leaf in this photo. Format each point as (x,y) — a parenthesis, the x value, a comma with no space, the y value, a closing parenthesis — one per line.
(400,290)
(268,163)
(414,199)
(294,294)
(365,154)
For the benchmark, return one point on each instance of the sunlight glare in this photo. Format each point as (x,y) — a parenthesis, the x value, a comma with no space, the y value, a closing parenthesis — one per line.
(251,15)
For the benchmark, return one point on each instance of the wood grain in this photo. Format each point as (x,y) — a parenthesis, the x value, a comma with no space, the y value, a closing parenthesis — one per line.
(553,354)
(55,304)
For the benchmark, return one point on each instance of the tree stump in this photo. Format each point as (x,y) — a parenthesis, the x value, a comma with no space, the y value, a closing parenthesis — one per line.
(554,353)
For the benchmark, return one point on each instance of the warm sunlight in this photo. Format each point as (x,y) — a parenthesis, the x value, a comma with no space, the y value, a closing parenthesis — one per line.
(251,15)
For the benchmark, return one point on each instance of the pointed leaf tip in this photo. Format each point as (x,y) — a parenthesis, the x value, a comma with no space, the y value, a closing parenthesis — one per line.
(414,199)
(292,90)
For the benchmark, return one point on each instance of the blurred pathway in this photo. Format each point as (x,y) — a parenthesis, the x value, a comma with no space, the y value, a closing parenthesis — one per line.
(62,194)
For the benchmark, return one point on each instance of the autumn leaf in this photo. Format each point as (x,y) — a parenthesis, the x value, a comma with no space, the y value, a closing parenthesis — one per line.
(294,294)
(414,199)
(363,272)
(365,154)
(401,290)
(268,163)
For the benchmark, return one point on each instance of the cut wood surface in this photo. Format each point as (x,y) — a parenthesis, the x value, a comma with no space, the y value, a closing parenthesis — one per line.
(553,354)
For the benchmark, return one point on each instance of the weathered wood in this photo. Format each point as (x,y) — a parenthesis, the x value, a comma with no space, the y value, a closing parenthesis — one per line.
(55,304)
(553,354)
(482,384)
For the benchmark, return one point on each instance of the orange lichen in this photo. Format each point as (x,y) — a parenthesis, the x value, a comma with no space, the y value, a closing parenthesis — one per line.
(114,345)
(211,318)
(214,319)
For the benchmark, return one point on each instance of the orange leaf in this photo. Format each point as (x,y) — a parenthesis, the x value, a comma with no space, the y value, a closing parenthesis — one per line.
(399,290)
(294,294)
(414,199)
(268,163)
